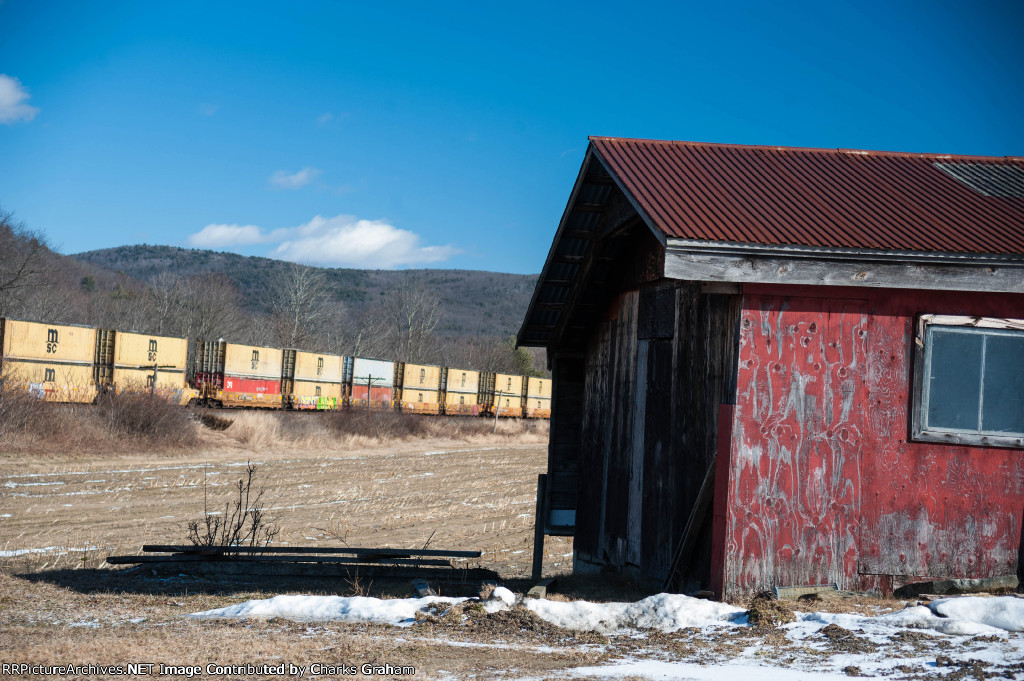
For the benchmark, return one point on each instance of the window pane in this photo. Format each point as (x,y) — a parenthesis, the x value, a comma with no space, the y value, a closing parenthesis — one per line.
(954,380)
(1004,384)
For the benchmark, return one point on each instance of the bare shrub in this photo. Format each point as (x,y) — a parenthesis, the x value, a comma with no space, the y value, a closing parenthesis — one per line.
(243,522)
(28,421)
(386,425)
(148,417)
(19,411)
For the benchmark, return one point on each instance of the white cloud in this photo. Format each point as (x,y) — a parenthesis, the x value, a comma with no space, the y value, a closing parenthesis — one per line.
(341,241)
(13,97)
(208,109)
(219,236)
(294,180)
(325,118)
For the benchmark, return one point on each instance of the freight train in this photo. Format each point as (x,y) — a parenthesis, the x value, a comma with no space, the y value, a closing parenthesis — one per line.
(68,363)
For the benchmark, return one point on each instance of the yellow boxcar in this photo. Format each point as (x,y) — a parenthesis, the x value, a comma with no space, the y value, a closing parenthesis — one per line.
(420,387)
(52,361)
(252,376)
(538,398)
(461,392)
(317,381)
(135,355)
(508,394)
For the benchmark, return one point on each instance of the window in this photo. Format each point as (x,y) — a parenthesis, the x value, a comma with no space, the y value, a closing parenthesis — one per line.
(463,379)
(420,396)
(423,376)
(462,399)
(969,381)
(510,384)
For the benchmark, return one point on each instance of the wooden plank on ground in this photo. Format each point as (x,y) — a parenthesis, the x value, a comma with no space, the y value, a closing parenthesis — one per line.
(349,560)
(540,589)
(441,553)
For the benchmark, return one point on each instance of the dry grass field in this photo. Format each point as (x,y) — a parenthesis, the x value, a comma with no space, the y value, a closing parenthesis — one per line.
(472,491)
(452,483)
(379,482)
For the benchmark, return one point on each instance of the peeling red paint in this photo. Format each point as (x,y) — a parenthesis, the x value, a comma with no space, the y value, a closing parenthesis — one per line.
(824,485)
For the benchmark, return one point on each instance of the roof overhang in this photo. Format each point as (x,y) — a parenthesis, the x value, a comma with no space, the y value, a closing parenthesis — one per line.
(607,206)
(598,213)
(711,261)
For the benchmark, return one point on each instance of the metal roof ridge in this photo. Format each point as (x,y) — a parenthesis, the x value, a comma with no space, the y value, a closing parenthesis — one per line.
(826,150)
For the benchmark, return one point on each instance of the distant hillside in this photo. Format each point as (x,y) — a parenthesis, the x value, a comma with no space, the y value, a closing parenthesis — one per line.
(473,303)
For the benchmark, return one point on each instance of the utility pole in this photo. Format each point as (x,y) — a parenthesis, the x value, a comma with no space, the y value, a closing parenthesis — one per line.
(497,407)
(369,386)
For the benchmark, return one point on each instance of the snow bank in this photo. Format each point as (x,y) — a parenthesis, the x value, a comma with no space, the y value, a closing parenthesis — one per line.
(664,612)
(657,670)
(396,611)
(920,617)
(1001,612)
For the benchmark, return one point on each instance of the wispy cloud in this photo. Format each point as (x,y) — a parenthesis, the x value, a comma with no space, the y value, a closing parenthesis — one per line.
(341,241)
(13,101)
(297,180)
(208,109)
(222,236)
(331,117)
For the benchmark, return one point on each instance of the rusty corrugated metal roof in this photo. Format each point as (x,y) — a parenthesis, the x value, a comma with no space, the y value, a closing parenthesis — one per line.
(833,198)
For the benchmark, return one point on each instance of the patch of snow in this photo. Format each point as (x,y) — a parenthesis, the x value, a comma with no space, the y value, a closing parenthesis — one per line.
(31,484)
(657,670)
(913,617)
(5,515)
(501,599)
(1001,612)
(22,552)
(664,612)
(92,624)
(396,611)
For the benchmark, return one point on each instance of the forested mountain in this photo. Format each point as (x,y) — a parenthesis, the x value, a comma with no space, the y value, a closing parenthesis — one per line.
(451,317)
(471,303)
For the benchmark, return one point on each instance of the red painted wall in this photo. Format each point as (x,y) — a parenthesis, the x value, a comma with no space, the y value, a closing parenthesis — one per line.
(823,483)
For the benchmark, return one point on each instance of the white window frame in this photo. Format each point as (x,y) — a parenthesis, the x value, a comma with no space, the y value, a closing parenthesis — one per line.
(921,430)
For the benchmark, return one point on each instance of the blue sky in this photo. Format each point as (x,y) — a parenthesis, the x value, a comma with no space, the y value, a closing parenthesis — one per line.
(449,135)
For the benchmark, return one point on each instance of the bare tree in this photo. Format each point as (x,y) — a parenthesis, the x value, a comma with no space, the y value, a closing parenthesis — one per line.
(410,315)
(166,303)
(302,306)
(24,257)
(210,308)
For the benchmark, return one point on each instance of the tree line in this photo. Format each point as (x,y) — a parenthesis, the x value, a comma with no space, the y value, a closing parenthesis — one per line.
(297,308)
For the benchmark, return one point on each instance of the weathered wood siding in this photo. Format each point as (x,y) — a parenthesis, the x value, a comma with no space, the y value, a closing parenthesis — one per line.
(823,482)
(656,369)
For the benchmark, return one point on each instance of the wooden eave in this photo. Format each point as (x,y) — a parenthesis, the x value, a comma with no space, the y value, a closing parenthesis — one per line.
(597,218)
(711,261)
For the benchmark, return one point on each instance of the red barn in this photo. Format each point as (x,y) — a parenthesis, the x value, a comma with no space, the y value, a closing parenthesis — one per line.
(786,367)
